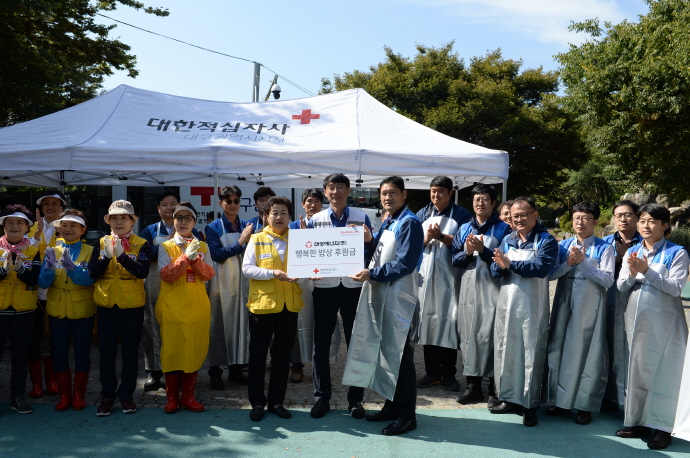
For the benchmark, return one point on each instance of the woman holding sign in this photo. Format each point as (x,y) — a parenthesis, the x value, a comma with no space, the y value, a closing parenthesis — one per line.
(183,309)
(274,301)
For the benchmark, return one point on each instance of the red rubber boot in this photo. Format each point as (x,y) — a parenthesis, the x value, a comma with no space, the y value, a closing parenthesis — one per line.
(81,379)
(35,374)
(51,385)
(187,401)
(64,383)
(172,392)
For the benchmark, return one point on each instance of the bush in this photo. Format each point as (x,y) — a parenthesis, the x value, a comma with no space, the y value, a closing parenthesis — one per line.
(566,223)
(681,236)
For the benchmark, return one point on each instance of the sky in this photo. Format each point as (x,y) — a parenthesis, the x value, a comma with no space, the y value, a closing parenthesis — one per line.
(308,40)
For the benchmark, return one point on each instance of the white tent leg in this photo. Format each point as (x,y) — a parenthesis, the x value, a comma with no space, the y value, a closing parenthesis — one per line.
(505,191)
(215,193)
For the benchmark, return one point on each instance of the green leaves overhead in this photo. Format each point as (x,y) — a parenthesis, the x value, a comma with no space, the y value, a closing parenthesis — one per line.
(491,102)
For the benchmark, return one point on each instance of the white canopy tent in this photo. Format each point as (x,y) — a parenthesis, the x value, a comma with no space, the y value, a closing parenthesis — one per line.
(135,137)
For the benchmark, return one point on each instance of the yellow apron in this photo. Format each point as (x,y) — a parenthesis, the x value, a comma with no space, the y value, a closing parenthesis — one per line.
(183,311)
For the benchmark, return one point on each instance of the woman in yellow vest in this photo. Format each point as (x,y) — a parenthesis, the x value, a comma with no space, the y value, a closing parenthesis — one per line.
(183,309)
(274,300)
(70,306)
(43,234)
(119,269)
(20,264)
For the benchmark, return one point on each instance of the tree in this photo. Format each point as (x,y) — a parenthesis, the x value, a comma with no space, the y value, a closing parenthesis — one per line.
(629,86)
(489,102)
(54,55)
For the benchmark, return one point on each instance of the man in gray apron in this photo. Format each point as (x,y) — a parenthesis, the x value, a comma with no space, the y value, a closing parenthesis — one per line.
(335,295)
(381,355)
(227,238)
(472,253)
(652,277)
(156,234)
(302,350)
(577,362)
(261,195)
(523,262)
(435,324)
(625,237)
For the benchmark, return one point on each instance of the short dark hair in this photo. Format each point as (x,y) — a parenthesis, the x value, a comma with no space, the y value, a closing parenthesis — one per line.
(395,180)
(528,200)
(312,192)
(656,211)
(166,193)
(54,192)
(278,200)
(485,189)
(507,203)
(586,207)
(336,178)
(442,182)
(225,192)
(18,208)
(74,212)
(263,191)
(190,206)
(626,203)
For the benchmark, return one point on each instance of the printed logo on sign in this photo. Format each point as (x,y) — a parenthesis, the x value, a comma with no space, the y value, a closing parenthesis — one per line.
(316,271)
(308,245)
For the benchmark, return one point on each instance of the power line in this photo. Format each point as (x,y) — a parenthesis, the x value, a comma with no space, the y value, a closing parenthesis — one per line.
(209,50)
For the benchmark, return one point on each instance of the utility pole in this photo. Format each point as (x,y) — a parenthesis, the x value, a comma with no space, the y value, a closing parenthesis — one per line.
(255,82)
(270,88)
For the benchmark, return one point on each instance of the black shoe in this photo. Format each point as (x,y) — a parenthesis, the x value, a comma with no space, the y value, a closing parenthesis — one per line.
(554,411)
(429,381)
(154,382)
(472,394)
(451,383)
(529,417)
(609,405)
(257,413)
(356,410)
(281,411)
(505,407)
(492,401)
(217,383)
(388,413)
(633,432)
(583,417)
(400,426)
(237,377)
(320,408)
(18,404)
(660,440)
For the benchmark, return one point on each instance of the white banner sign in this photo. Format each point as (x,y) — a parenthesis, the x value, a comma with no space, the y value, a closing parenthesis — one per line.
(331,252)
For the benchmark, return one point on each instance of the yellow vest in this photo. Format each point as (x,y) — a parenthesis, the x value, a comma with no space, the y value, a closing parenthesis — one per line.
(42,244)
(15,292)
(117,285)
(66,299)
(183,311)
(268,296)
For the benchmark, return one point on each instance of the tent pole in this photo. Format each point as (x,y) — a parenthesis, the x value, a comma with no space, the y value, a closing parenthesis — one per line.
(505,190)
(255,82)
(215,193)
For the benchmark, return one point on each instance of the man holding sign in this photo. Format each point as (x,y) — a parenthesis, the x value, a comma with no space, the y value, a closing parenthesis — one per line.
(386,309)
(335,294)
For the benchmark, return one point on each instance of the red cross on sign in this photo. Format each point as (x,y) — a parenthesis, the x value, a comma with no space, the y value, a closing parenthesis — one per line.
(316,271)
(308,244)
(306,117)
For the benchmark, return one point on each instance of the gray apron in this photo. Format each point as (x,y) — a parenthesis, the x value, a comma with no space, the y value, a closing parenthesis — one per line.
(436,322)
(382,324)
(151,337)
(305,323)
(477,298)
(228,292)
(657,337)
(520,334)
(616,303)
(577,362)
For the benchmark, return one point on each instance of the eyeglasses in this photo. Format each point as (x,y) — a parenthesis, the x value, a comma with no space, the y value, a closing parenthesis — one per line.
(584,219)
(336,188)
(233,201)
(185,218)
(521,216)
(621,216)
(481,200)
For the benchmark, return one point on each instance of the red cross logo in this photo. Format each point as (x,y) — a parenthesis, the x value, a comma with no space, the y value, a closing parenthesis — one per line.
(316,271)
(306,117)
(308,244)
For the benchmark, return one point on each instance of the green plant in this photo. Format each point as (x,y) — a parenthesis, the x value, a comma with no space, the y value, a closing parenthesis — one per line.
(681,236)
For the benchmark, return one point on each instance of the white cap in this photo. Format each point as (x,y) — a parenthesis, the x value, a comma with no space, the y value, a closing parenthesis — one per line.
(57,196)
(15,215)
(75,218)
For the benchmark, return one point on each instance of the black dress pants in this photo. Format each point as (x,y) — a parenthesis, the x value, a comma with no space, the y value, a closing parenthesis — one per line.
(440,361)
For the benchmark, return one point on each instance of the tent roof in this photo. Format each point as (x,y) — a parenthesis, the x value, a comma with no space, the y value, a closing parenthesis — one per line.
(150,138)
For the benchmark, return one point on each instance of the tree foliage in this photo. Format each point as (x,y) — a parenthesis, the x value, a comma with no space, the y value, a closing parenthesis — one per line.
(629,85)
(488,102)
(54,55)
